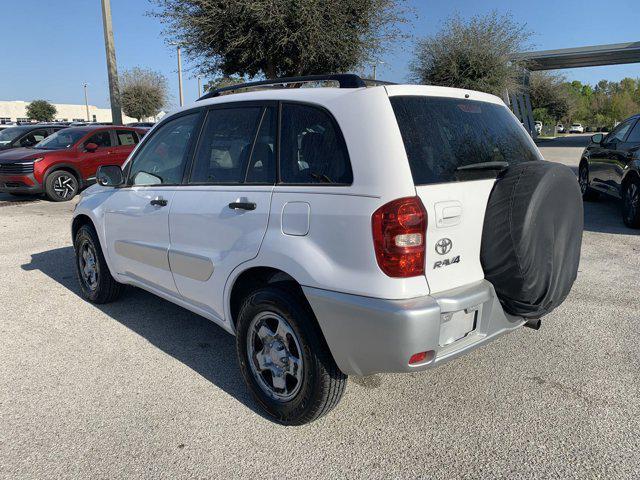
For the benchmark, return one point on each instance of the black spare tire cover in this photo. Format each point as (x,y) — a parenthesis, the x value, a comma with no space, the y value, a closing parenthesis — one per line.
(532,237)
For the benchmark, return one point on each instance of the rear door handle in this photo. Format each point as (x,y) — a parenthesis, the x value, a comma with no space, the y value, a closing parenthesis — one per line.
(242,206)
(158,202)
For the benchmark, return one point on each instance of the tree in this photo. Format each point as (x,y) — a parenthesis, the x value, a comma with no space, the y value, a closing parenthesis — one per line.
(477,54)
(41,110)
(143,93)
(549,92)
(281,37)
(222,81)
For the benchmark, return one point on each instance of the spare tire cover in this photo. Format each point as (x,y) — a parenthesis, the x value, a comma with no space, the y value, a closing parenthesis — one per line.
(532,237)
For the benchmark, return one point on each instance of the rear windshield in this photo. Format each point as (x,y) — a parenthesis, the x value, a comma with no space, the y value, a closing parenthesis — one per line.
(442,134)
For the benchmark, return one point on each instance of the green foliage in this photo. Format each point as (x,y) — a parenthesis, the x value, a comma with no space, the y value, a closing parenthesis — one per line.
(596,107)
(41,110)
(143,93)
(281,37)
(222,81)
(548,92)
(476,54)
(543,115)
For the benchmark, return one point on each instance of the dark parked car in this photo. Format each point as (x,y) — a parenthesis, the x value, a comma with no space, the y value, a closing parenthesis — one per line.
(25,135)
(611,165)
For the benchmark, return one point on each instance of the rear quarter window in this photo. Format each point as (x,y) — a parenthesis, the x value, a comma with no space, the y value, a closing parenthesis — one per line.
(313,150)
(442,134)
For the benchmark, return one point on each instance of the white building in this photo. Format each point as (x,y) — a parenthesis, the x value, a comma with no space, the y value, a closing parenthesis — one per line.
(16,111)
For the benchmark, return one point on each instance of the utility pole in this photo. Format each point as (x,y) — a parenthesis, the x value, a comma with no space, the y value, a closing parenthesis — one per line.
(180,76)
(86,99)
(199,86)
(114,90)
(375,68)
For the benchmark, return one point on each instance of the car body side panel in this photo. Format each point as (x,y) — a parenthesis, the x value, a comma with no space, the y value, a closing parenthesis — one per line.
(209,239)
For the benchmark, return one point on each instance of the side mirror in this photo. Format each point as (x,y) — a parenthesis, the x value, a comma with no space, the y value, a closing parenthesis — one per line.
(110,176)
(597,138)
(91,147)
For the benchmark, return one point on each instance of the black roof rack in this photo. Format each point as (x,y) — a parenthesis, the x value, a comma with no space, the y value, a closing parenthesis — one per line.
(345,80)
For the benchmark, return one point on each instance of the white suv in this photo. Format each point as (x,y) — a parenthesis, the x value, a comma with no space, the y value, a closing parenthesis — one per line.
(334,231)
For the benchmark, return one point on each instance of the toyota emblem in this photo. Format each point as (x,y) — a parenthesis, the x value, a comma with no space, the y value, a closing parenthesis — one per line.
(443,246)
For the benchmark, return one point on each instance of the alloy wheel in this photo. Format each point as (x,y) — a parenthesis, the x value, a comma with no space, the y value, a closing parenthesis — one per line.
(89,270)
(65,186)
(275,356)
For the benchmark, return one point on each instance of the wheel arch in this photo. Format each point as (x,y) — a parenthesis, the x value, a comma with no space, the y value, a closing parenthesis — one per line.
(66,167)
(79,221)
(251,278)
(631,174)
(584,161)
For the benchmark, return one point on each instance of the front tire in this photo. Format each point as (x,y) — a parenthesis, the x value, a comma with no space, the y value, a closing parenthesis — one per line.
(96,283)
(631,203)
(284,358)
(61,186)
(588,193)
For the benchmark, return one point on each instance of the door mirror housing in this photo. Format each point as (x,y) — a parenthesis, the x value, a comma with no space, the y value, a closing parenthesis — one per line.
(597,138)
(110,176)
(91,147)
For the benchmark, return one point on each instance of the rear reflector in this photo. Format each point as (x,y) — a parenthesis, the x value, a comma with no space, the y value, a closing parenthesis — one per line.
(398,237)
(417,358)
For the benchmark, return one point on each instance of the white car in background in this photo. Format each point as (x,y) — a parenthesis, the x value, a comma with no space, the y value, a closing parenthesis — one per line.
(576,128)
(560,128)
(538,126)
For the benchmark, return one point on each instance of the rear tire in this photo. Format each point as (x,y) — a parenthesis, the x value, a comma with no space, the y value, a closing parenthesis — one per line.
(61,186)
(588,193)
(284,358)
(96,283)
(631,203)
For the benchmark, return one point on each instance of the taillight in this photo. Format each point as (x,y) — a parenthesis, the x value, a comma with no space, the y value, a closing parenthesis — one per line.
(399,228)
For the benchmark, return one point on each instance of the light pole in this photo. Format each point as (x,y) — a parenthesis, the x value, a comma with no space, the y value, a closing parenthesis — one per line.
(86,99)
(180,75)
(199,86)
(375,67)
(114,90)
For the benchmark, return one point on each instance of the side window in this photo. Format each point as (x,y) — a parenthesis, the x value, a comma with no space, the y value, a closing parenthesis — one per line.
(262,165)
(126,137)
(102,139)
(634,136)
(618,134)
(225,145)
(32,138)
(161,160)
(312,147)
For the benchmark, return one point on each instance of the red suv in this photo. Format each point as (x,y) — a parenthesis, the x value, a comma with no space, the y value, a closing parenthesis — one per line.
(65,162)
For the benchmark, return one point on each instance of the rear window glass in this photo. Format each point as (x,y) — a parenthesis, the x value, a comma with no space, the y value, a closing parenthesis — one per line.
(442,134)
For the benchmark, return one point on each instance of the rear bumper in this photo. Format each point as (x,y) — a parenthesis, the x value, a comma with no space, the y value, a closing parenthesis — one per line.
(369,335)
(19,184)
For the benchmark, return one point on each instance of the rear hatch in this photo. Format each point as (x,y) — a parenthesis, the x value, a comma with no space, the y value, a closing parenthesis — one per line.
(457,143)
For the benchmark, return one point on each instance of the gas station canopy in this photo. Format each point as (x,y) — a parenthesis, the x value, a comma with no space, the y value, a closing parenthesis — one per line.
(613,54)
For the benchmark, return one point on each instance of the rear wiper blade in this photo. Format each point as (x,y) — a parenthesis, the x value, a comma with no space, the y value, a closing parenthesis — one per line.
(485,166)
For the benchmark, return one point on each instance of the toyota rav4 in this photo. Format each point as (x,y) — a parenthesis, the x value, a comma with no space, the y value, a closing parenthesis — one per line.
(348,230)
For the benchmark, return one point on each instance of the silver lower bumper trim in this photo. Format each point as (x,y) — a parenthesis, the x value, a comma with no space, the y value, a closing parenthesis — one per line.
(370,335)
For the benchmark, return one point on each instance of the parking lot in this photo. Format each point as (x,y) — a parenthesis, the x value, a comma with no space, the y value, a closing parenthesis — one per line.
(143,388)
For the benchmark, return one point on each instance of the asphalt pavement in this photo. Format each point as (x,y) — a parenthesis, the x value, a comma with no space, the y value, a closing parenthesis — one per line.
(144,389)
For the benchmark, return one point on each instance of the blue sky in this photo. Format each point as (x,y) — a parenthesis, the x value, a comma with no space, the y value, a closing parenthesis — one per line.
(50,47)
